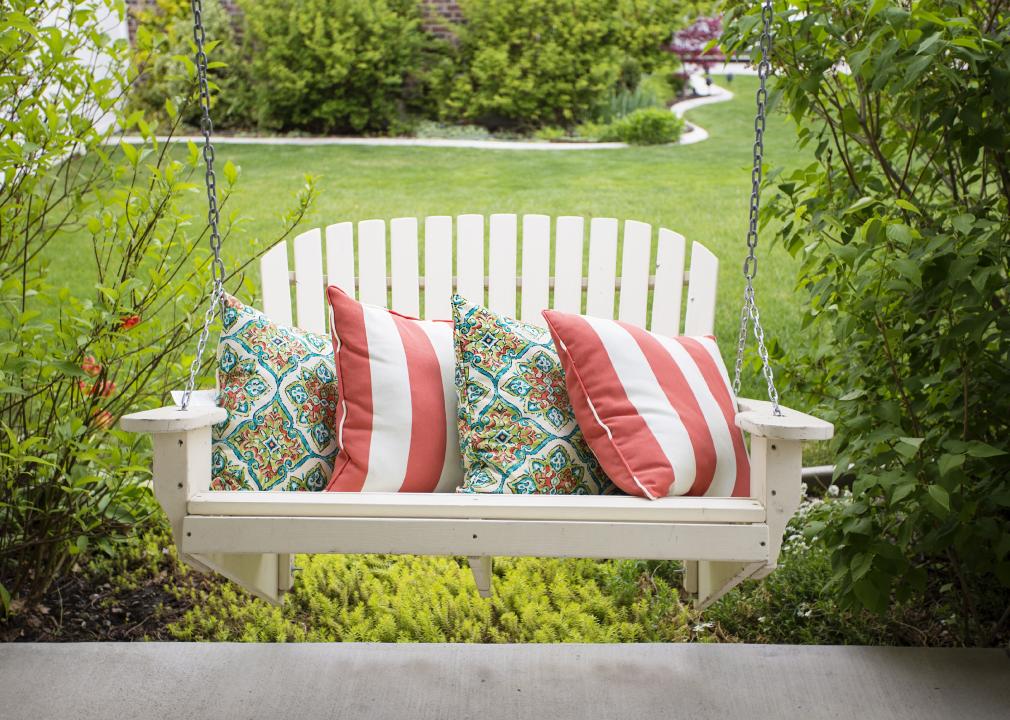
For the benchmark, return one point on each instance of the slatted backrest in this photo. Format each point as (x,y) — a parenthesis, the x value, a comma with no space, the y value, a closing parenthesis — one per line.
(516,265)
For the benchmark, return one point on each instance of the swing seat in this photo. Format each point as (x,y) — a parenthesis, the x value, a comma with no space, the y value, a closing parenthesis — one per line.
(251,537)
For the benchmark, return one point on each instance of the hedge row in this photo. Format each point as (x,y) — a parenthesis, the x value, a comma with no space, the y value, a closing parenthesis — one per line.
(369,67)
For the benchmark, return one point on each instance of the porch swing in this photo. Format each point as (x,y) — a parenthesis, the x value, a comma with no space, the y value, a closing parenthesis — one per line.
(251,537)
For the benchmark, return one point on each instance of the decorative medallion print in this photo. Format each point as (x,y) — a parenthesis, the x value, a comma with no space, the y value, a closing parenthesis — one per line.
(279,387)
(517,430)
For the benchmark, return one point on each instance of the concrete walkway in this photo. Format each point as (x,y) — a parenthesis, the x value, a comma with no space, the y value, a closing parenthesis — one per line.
(488,682)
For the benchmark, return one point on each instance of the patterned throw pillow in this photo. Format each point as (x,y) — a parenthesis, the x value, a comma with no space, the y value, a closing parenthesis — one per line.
(659,412)
(397,411)
(279,387)
(516,426)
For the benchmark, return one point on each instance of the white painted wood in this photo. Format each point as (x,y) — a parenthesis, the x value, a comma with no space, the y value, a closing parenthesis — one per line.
(309,281)
(372,281)
(404,258)
(477,506)
(182,468)
(715,579)
(470,257)
(533,538)
(635,256)
(701,289)
(536,271)
(276,284)
(780,465)
(502,249)
(668,284)
(171,419)
(602,273)
(340,267)
(569,245)
(481,567)
(258,573)
(691,577)
(757,418)
(437,267)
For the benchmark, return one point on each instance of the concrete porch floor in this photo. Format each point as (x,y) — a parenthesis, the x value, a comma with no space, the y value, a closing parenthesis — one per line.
(517,682)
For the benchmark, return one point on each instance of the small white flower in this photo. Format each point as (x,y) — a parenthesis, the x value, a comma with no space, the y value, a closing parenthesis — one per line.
(833,490)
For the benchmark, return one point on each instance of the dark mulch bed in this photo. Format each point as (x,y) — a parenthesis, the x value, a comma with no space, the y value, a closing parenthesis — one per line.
(84,608)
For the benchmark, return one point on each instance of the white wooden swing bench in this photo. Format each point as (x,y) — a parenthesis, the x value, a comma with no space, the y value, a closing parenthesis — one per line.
(251,537)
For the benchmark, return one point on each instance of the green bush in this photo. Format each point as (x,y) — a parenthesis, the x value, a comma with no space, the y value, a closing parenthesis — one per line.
(903,225)
(334,66)
(164,61)
(534,63)
(647,126)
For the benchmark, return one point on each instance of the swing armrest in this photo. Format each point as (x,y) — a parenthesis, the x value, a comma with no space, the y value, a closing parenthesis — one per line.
(172,419)
(756,417)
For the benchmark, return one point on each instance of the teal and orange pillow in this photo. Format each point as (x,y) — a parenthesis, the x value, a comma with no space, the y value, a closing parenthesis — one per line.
(279,386)
(517,430)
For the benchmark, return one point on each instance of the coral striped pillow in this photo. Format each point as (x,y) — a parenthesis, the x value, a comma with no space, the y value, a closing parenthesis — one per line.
(396,421)
(658,412)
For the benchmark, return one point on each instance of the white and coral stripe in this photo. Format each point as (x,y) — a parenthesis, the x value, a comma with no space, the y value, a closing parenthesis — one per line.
(398,403)
(658,412)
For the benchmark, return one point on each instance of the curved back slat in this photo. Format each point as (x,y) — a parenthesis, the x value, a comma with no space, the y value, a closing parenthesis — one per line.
(309,281)
(633,303)
(642,282)
(372,284)
(276,284)
(700,318)
(502,254)
(602,285)
(669,287)
(404,256)
(470,257)
(569,247)
(340,257)
(536,282)
(437,267)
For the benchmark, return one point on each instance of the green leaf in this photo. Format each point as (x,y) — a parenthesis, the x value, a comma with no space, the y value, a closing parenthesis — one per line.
(940,495)
(948,462)
(982,450)
(130,152)
(905,205)
(5,598)
(230,172)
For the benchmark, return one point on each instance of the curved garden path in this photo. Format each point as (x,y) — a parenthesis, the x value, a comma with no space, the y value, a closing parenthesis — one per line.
(693,134)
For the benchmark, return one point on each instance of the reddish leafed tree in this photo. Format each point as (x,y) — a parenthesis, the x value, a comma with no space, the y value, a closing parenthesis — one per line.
(691,44)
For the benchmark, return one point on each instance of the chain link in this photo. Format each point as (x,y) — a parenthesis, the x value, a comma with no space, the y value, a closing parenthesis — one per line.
(213,218)
(749,312)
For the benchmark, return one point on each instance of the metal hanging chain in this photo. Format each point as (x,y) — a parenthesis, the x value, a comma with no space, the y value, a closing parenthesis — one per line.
(217,266)
(749,312)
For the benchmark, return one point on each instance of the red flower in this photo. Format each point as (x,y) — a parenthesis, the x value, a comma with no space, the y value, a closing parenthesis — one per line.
(104,388)
(129,321)
(91,366)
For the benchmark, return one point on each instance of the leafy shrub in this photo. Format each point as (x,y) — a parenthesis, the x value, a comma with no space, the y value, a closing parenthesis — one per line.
(646,126)
(903,225)
(534,63)
(72,362)
(167,75)
(329,66)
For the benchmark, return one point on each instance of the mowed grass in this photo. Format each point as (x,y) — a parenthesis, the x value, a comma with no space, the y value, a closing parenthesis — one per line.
(701,191)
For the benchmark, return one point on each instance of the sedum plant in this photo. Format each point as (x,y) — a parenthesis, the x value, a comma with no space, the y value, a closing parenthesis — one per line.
(903,225)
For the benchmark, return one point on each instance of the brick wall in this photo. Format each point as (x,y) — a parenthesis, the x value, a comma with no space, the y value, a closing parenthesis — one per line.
(437,14)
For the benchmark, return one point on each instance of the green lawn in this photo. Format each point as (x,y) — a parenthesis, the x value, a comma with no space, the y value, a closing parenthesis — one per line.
(698,190)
